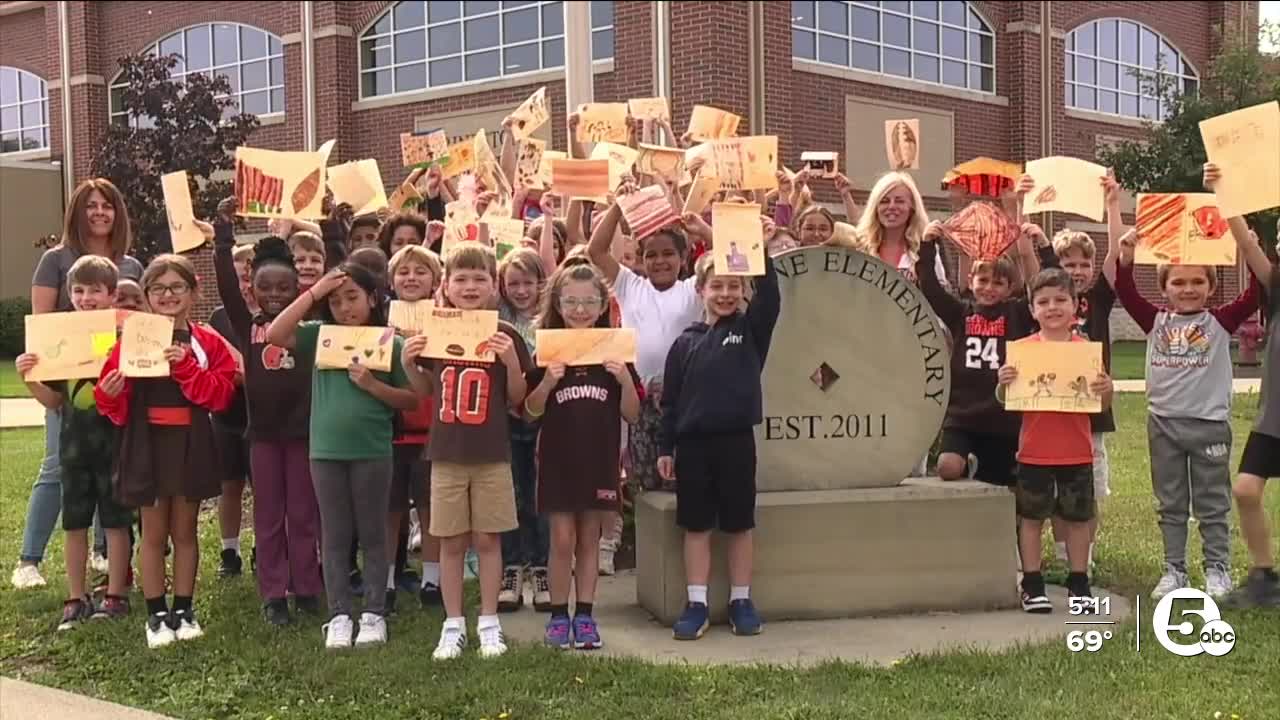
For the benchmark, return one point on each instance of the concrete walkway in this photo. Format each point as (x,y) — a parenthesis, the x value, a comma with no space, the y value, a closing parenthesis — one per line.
(629,631)
(34,702)
(26,412)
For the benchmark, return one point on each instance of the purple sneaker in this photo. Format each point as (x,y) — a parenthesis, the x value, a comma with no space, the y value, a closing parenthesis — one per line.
(586,636)
(557,634)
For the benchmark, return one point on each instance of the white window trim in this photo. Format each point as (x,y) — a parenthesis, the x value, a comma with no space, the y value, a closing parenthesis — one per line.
(20,129)
(893,81)
(989,31)
(427,25)
(598,67)
(1069,55)
(112,112)
(1108,118)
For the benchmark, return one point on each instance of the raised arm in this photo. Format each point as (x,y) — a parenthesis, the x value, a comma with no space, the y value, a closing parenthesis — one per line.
(602,244)
(763,310)
(1138,307)
(283,330)
(948,307)
(228,279)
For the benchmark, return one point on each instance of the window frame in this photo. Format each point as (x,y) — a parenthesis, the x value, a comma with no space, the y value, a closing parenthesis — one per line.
(213,69)
(21,129)
(1071,84)
(882,45)
(385,42)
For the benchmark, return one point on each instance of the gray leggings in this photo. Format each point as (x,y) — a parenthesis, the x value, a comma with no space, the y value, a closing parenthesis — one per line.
(1190,470)
(353,497)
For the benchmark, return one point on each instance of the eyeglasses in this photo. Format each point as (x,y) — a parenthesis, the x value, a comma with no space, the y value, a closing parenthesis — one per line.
(568,304)
(177,290)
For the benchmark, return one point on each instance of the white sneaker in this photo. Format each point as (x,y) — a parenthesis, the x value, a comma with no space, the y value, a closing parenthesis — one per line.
(492,644)
(98,563)
(188,627)
(415,538)
(1217,582)
(373,630)
(1172,579)
(971,470)
(607,550)
(338,632)
(159,634)
(27,576)
(453,639)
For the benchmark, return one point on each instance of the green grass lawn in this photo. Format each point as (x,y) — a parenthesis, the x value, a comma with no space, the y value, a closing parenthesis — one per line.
(243,669)
(11,384)
(1128,360)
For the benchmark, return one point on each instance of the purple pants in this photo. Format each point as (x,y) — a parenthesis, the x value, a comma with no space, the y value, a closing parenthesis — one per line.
(286,519)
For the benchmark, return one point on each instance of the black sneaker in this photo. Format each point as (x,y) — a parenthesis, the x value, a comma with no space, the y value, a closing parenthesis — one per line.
(429,596)
(389,604)
(277,612)
(1034,599)
(1078,586)
(1260,589)
(307,604)
(74,612)
(231,565)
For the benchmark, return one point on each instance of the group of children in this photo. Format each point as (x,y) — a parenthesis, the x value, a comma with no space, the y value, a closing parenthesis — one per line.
(522,463)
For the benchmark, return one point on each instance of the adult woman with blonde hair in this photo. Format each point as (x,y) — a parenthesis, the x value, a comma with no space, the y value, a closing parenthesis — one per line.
(96,223)
(893,223)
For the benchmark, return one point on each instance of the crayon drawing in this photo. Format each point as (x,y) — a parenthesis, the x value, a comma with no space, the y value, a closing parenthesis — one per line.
(1054,376)
(1182,228)
(1245,145)
(409,317)
(460,335)
(591,346)
(529,162)
(602,122)
(270,183)
(902,144)
(531,114)
(422,150)
(982,230)
(737,243)
(338,347)
(69,345)
(183,232)
(143,340)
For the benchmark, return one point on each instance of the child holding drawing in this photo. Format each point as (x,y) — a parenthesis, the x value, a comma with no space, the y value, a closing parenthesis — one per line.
(351,454)
(286,519)
(167,461)
(711,400)
(580,409)
(1055,454)
(1189,403)
(86,453)
(472,500)
(521,277)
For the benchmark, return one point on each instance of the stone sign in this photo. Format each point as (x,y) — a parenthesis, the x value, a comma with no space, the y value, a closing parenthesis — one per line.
(857,379)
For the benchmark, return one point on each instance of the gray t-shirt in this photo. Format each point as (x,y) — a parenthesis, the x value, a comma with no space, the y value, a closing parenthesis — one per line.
(1268,422)
(51,272)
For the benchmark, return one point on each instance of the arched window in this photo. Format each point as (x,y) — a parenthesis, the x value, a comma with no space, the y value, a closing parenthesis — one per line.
(416,45)
(252,60)
(947,43)
(1116,67)
(24,111)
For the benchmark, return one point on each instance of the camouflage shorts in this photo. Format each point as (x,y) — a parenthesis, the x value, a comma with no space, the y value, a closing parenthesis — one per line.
(86,491)
(1065,491)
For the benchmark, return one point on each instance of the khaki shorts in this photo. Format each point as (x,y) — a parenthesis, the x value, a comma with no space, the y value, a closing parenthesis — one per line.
(471,498)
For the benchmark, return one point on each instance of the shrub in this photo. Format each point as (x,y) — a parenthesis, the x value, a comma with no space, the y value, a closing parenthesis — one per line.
(12,330)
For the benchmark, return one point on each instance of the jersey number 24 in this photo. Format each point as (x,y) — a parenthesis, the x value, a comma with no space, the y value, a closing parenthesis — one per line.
(981,352)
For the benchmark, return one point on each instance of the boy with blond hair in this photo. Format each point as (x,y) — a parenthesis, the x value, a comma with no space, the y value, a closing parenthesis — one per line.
(472,496)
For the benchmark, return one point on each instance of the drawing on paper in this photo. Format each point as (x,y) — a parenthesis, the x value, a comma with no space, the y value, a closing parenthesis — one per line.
(1054,377)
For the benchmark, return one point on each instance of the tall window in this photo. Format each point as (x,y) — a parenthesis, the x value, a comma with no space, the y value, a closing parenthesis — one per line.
(947,43)
(252,60)
(417,45)
(1115,67)
(24,111)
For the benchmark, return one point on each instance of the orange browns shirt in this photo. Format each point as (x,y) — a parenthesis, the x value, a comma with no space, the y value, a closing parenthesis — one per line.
(1055,438)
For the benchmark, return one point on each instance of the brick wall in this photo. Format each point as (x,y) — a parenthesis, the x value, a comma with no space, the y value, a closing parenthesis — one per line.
(23,44)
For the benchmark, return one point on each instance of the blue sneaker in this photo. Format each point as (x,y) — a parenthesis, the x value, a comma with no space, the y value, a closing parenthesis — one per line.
(557,634)
(693,622)
(586,636)
(743,619)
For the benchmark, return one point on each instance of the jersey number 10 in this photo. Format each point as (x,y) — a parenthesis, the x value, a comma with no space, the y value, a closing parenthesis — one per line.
(465,395)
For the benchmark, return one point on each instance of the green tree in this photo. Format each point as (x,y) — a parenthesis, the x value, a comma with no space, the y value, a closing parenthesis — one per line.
(1171,155)
(190,124)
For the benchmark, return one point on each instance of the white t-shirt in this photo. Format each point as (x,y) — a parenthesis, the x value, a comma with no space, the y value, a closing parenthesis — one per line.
(658,317)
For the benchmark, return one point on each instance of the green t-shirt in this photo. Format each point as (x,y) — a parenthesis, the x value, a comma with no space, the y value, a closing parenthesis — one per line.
(347,423)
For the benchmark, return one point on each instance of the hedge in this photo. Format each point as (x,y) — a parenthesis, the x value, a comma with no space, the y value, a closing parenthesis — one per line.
(12,331)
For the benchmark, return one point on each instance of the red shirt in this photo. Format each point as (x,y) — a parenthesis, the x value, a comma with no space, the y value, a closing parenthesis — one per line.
(1055,438)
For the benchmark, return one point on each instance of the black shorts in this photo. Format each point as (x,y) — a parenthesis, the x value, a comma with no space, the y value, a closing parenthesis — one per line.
(1065,491)
(234,450)
(716,482)
(410,476)
(86,491)
(1261,456)
(997,454)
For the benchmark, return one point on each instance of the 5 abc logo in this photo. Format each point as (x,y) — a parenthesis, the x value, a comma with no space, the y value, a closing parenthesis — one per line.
(1216,637)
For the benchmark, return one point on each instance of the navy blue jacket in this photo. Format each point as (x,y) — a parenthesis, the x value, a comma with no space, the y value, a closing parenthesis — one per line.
(711,383)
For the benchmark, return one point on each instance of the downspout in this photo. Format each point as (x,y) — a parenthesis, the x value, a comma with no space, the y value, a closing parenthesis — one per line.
(64,56)
(308,80)
(1046,90)
(755,66)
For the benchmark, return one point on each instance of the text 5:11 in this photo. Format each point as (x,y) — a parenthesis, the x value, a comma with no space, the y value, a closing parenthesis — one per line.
(1089,605)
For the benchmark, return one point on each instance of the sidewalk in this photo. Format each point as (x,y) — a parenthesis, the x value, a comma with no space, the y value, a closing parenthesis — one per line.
(33,702)
(26,412)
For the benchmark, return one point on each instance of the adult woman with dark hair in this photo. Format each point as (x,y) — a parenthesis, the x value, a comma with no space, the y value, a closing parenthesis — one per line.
(96,223)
